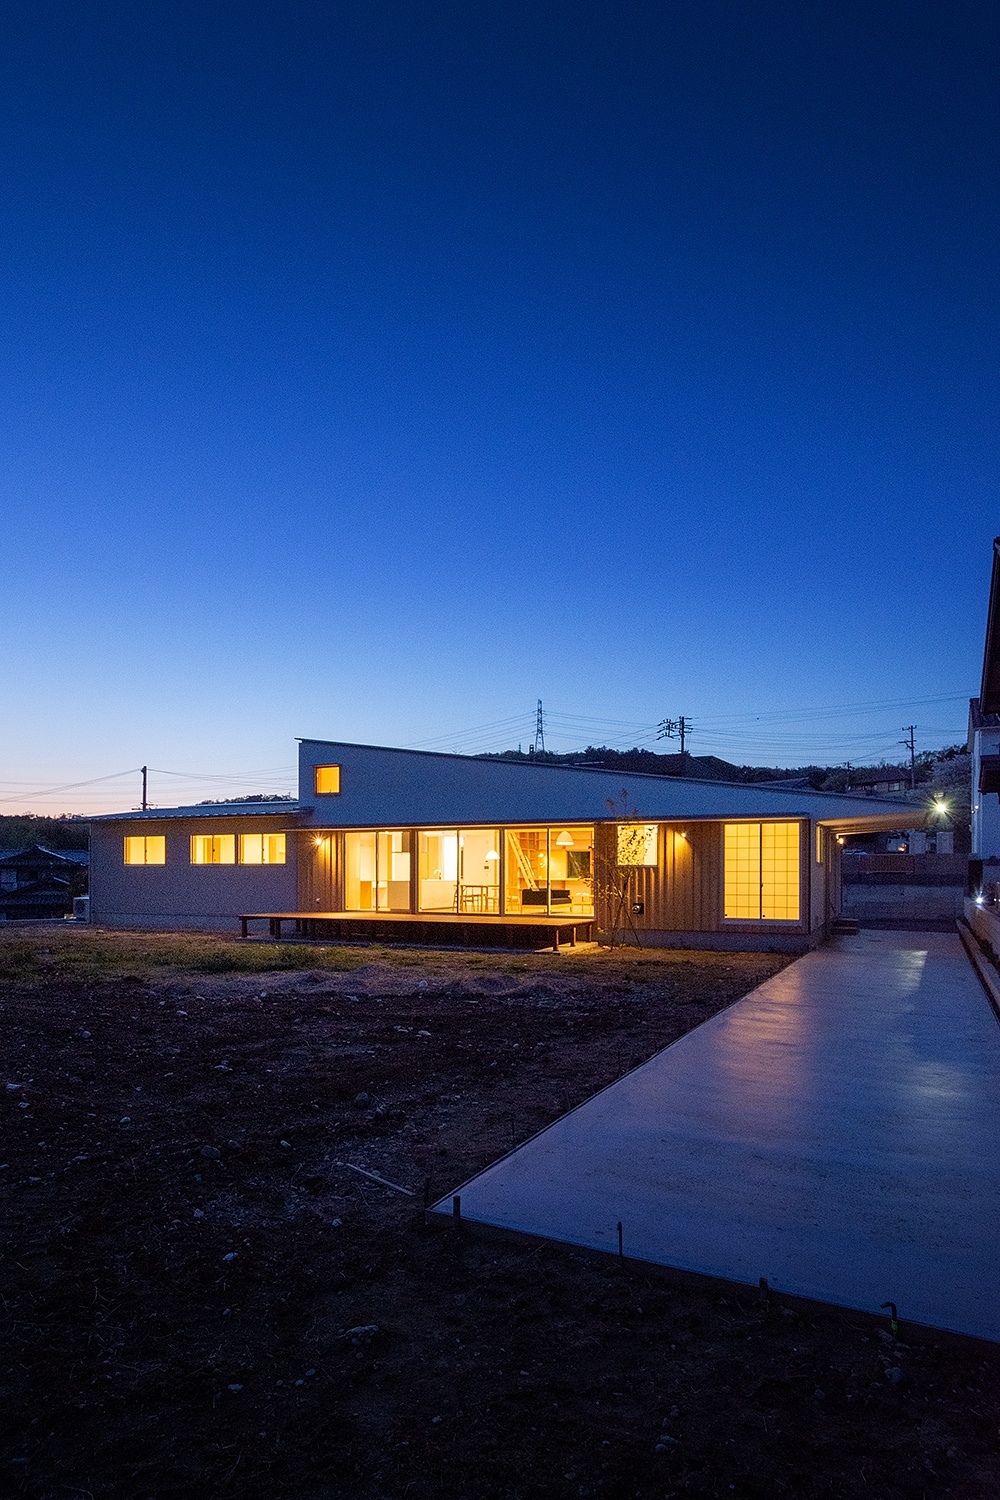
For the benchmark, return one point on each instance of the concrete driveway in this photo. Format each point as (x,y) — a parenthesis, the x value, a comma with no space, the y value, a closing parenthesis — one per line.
(835,1131)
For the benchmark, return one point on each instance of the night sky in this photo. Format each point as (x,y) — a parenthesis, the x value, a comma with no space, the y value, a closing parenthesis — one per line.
(372,370)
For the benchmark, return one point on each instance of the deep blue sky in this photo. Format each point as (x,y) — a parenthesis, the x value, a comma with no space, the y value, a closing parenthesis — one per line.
(371,370)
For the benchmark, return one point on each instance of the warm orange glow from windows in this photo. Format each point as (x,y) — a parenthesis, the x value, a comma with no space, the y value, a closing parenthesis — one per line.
(148,849)
(326,780)
(377,870)
(637,843)
(262,849)
(762,872)
(213,848)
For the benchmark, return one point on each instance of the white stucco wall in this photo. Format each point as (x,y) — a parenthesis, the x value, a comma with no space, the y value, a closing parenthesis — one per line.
(178,894)
(985,805)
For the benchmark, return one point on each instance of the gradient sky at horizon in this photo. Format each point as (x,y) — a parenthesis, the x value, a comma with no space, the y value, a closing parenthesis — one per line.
(374,371)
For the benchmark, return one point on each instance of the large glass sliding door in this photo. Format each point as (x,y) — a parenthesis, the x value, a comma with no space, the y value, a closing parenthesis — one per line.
(549,870)
(377,871)
(459,870)
(472,871)
(479,871)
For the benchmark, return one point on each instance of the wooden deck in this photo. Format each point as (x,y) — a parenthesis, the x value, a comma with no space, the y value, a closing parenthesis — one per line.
(434,928)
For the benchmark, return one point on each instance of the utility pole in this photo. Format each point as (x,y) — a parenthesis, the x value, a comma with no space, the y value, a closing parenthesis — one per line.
(668,728)
(144,803)
(539,729)
(911,745)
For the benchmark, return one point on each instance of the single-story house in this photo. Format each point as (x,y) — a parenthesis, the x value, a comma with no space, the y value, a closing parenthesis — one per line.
(410,844)
(879,781)
(39,882)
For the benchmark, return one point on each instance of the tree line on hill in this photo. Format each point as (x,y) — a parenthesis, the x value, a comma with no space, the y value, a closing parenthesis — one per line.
(21,830)
(711,768)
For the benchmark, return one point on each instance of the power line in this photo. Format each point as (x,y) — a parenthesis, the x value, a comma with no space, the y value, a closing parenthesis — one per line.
(72,786)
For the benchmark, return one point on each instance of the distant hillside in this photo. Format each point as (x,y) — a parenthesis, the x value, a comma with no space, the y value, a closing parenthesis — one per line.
(19,830)
(704,767)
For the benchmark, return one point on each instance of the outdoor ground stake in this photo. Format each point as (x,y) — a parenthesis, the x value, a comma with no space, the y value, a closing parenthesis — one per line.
(764,1291)
(893,1320)
(456,1207)
(427,1192)
(621,1252)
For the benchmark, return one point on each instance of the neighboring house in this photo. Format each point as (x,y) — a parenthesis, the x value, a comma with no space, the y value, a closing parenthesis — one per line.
(408,841)
(984,732)
(879,781)
(39,882)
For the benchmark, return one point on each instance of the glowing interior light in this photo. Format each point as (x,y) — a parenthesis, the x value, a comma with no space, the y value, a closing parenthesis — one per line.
(761,864)
(146,850)
(262,848)
(565,840)
(491,854)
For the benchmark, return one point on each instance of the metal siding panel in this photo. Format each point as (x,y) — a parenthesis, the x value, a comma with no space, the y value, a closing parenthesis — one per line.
(387,788)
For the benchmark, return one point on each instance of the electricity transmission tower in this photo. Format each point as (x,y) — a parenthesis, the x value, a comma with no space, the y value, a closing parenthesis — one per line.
(539,744)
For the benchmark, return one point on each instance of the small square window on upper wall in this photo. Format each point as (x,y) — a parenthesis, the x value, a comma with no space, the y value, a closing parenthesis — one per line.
(327,780)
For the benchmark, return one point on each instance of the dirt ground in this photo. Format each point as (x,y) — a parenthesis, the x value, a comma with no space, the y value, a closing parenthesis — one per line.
(201,1297)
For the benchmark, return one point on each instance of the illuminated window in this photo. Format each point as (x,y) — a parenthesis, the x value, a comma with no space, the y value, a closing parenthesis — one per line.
(213,848)
(437,864)
(637,843)
(146,850)
(260,849)
(377,871)
(762,872)
(549,870)
(327,780)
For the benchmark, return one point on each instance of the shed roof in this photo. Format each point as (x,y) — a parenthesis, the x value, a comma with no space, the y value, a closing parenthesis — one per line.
(385,786)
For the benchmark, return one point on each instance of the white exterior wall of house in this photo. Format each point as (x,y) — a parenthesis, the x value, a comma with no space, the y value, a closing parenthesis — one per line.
(984,728)
(178,895)
(985,805)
